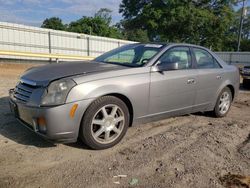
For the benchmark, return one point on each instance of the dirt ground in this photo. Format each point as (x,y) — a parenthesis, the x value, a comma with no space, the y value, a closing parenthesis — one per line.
(189,151)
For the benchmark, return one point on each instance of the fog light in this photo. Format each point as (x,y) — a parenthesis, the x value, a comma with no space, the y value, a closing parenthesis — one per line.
(41,124)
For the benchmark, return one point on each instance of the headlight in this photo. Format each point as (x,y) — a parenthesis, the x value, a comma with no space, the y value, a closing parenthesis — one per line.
(57,92)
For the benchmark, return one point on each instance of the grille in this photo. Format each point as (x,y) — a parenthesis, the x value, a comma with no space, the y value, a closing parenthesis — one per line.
(23,91)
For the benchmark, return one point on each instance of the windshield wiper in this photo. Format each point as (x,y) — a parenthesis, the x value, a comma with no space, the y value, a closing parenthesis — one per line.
(122,64)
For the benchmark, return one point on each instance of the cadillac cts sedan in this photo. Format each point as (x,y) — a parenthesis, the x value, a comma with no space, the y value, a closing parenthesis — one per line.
(98,100)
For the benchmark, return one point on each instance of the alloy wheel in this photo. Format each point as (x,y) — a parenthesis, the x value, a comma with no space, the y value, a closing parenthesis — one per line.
(224,103)
(107,124)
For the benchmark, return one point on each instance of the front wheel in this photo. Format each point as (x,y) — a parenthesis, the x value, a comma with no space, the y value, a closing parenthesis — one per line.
(223,103)
(105,123)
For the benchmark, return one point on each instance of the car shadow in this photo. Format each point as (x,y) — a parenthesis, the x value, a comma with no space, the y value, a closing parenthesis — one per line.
(244,88)
(204,114)
(12,129)
(79,145)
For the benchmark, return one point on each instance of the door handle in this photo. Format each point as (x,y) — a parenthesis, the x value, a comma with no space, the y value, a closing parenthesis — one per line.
(190,81)
(218,77)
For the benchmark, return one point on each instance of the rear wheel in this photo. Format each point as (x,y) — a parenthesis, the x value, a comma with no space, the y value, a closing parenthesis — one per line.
(223,103)
(105,123)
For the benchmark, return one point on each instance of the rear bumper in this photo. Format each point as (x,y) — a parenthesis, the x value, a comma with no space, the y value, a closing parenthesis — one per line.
(246,76)
(58,125)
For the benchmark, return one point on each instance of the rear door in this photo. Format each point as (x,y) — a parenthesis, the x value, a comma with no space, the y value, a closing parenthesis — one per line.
(173,91)
(210,78)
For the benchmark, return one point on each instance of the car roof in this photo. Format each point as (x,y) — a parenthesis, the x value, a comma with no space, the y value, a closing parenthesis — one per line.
(177,44)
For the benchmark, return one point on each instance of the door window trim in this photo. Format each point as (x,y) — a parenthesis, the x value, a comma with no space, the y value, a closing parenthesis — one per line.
(195,61)
(179,46)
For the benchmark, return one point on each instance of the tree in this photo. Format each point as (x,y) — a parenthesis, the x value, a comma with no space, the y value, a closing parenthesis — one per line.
(98,25)
(138,35)
(200,22)
(104,14)
(245,45)
(53,23)
(230,43)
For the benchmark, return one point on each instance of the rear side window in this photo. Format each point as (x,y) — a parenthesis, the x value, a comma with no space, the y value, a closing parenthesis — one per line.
(204,59)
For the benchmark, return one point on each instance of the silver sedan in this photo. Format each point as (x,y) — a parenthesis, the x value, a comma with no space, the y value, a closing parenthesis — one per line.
(98,100)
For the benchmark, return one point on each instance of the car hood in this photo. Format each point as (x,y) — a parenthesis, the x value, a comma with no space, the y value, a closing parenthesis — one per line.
(42,76)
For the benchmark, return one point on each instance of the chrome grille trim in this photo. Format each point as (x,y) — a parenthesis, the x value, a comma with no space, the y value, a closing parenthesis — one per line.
(24,88)
(21,97)
(23,91)
(28,82)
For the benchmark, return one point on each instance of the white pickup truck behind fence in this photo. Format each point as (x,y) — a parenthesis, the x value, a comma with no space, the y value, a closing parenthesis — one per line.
(33,43)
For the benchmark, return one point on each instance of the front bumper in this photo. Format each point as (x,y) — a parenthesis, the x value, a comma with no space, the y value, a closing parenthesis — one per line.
(58,126)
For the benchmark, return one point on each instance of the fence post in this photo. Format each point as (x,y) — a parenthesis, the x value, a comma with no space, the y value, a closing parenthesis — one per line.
(49,37)
(230,58)
(88,47)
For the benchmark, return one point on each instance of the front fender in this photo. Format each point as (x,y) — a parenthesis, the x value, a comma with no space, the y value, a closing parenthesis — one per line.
(92,90)
(134,87)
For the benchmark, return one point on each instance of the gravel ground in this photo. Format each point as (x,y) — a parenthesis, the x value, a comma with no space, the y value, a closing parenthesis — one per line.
(188,151)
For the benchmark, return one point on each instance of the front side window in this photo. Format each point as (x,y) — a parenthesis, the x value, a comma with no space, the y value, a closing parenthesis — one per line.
(180,56)
(135,55)
(204,59)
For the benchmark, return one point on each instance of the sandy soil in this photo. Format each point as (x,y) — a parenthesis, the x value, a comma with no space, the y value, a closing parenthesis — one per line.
(189,151)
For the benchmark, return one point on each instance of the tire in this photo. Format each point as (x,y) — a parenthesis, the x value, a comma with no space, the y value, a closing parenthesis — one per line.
(220,110)
(246,83)
(105,123)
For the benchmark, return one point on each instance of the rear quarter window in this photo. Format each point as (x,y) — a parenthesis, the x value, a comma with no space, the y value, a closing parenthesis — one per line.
(205,60)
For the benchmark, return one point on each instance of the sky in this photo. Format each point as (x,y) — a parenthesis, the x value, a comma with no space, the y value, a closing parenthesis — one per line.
(33,12)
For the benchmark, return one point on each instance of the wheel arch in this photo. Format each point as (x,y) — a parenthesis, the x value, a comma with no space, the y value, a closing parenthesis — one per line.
(226,84)
(231,87)
(122,97)
(128,103)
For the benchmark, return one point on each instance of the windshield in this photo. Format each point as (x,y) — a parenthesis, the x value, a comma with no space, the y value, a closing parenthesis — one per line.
(133,55)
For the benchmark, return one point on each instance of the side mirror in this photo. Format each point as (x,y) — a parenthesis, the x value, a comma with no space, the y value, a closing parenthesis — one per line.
(144,61)
(166,66)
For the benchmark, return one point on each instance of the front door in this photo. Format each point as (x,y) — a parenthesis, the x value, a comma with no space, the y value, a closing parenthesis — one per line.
(173,91)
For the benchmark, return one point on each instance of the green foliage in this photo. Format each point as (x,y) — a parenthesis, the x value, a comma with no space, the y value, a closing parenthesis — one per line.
(232,34)
(246,25)
(99,25)
(138,35)
(53,23)
(94,26)
(245,45)
(104,14)
(199,22)
(210,23)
